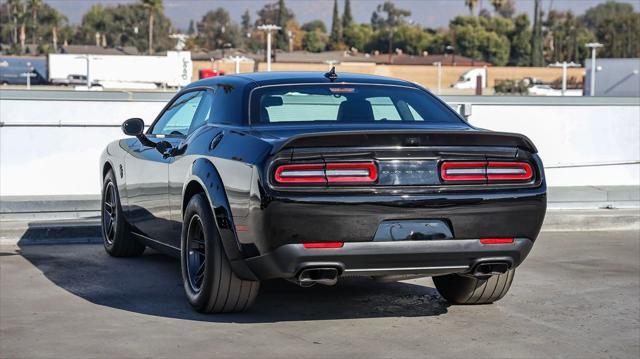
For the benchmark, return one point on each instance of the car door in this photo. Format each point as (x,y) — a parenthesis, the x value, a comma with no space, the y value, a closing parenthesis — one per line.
(147,171)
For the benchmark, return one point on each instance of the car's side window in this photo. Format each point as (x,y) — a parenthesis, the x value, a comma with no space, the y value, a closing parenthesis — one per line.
(177,119)
(204,112)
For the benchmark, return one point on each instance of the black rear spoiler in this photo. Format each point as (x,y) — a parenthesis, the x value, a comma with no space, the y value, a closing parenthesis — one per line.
(384,138)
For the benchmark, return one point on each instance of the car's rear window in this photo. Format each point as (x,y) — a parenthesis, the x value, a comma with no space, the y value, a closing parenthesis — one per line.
(341,103)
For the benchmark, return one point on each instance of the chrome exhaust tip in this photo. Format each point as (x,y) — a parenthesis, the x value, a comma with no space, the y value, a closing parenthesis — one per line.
(488,269)
(325,276)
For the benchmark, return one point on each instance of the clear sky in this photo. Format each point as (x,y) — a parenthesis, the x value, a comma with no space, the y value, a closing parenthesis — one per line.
(430,13)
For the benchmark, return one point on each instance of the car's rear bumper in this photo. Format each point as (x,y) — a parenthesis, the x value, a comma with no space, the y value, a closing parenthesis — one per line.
(429,257)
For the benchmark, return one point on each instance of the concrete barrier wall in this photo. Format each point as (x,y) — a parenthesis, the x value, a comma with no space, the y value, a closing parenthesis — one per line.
(50,141)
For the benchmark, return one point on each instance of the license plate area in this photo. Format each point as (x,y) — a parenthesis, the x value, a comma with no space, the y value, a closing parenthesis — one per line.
(412,230)
(408,173)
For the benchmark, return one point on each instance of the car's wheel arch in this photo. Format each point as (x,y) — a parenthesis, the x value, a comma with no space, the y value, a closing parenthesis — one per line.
(203,177)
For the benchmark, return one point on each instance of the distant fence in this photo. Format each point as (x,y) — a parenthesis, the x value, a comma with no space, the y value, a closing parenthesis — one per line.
(50,141)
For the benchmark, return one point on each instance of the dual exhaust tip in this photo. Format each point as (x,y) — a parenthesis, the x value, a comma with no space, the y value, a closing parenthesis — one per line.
(311,276)
(488,269)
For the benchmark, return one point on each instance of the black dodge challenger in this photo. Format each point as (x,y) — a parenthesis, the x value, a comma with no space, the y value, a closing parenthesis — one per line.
(311,177)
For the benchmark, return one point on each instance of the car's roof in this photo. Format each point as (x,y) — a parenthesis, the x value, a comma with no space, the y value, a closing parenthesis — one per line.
(275,78)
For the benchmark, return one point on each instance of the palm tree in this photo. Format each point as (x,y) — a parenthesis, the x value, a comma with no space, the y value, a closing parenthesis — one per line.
(14,10)
(471,4)
(55,21)
(34,6)
(152,6)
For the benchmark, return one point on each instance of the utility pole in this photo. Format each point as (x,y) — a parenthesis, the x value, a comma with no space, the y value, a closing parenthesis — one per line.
(564,66)
(439,64)
(593,46)
(269,29)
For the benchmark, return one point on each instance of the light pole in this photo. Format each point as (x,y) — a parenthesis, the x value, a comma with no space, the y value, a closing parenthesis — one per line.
(237,60)
(593,46)
(269,29)
(29,74)
(439,64)
(564,66)
(88,58)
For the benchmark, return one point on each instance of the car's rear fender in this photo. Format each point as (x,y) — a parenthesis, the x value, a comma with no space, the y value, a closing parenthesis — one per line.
(207,177)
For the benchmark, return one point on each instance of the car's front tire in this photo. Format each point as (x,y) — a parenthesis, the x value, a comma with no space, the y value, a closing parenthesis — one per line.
(116,234)
(461,289)
(210,284)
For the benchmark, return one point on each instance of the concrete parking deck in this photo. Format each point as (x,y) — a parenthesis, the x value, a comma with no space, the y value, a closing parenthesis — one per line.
(575,296)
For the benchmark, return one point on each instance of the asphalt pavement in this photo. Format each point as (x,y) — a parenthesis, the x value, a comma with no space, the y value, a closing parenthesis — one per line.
(577,295)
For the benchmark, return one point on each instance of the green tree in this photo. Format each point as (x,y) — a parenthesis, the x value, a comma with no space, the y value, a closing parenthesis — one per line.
(520,41)
(358,36)
(192,28)
(215,30)
(387,18)
(536,38)
(152,7)
(347,17)
(336,28)
(246,22)
(315,41)
(481,38)
(276,14)
(620,36)
(284,15)
(565,37)
(314,25)
(34,7)
(594,16)
(120,25)
(410,39)
(616,26)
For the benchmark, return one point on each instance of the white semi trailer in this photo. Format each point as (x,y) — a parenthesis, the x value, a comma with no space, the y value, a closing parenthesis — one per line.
(175,69)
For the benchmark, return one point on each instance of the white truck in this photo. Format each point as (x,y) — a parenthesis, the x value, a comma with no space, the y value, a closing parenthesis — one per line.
(468,79)
(175,69)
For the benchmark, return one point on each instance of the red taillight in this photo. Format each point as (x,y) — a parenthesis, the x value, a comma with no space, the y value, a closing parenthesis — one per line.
(496,240)
(486,171)
(356,172)
(463,171)
(324,245)
(351,172)
(301,174)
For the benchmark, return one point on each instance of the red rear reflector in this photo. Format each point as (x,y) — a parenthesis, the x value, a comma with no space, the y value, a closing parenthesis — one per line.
(496,240)
(356,172)
(324,245)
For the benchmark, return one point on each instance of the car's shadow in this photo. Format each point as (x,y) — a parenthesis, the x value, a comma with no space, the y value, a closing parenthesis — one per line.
(152,285)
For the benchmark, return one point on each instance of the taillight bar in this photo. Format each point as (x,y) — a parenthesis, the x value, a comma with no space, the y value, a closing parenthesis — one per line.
(352,172)
(480,171)
(313,173)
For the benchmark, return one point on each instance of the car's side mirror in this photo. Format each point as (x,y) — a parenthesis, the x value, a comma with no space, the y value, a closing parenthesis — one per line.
(133,127)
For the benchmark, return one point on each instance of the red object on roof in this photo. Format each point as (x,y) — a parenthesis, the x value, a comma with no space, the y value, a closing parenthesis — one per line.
(205,73)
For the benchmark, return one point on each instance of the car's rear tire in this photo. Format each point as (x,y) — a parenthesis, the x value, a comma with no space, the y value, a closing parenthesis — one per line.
(116,233)
(210,284)
(460,289)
